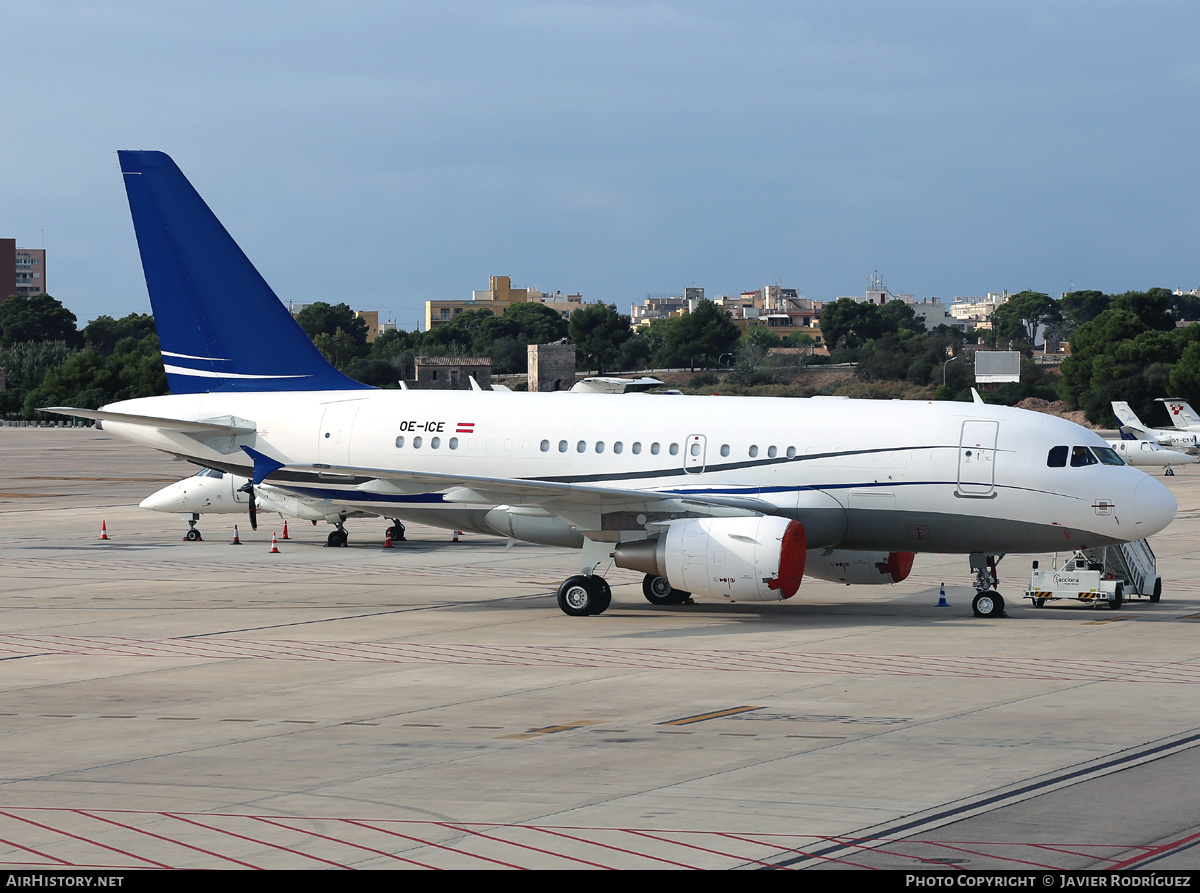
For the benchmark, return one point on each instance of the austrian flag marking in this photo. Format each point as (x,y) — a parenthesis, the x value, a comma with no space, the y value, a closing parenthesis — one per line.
(465,428)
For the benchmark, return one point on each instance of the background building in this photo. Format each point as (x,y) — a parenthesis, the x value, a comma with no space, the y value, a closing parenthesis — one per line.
(452,373)
(22,270)
(498,297)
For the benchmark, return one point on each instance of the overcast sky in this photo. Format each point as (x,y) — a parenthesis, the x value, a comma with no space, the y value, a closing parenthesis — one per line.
(387,153)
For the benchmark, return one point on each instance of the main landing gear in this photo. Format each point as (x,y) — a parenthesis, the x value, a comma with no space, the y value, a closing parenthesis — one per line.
(581,595)
(193,535)
(658,591)
(987,602)
(396,531)
(338,537)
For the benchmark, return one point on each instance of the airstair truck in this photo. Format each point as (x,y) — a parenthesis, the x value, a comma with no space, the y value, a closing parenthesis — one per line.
(1111,575)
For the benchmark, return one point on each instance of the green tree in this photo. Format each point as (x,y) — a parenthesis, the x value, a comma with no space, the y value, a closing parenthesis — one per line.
(104,332)
(701,336)
(1185,375)
(1118,356)
(598,331)
(1079,307)
(1019,318)
(37,318)
(457,337)
(89,379)
(850,324)
(537,323)
(635,353)
(339,348)
(1152,307)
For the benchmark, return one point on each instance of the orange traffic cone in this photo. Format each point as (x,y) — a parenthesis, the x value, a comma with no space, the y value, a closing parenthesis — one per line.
(387,542)
(457,534)
(236,540)
(274,544)
(103,531)
(285,536)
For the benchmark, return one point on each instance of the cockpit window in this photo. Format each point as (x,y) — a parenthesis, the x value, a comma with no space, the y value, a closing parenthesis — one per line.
(1081,456)
(1057,457)
(211,473)
(1107,456)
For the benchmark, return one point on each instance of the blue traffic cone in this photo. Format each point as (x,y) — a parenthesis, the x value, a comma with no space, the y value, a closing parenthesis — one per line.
(942,603)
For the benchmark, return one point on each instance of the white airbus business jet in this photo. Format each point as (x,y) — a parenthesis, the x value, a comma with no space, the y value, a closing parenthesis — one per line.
(722,497)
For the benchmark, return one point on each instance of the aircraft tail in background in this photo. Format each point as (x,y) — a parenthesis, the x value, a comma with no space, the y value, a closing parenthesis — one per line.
(1128,419)
(1182,414)
(220,326)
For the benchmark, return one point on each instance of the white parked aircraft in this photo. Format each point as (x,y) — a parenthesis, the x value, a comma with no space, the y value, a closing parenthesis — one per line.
(1140,453)
(722,497)
(213,492)
(1133,429)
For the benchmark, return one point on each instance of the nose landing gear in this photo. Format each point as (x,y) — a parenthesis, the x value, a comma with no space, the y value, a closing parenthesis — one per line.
(193,535)
(987,602)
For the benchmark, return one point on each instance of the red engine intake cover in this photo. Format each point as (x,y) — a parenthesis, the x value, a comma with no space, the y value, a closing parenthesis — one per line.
(793,551)
(899,564)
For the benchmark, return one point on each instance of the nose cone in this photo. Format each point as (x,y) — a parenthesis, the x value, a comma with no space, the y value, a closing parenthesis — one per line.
(171,498)
(1153,507)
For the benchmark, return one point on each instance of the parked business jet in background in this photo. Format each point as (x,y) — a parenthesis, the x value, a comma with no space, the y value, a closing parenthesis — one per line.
(1144,453)
(1132,428)
(737,498)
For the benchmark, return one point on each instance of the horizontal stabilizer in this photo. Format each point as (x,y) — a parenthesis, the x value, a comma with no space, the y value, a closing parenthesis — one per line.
(146,421)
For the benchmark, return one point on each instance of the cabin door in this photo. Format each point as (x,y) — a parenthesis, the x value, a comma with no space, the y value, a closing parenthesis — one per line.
(977,458)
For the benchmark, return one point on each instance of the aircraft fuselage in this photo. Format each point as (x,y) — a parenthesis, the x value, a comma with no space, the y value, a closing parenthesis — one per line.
(880,475)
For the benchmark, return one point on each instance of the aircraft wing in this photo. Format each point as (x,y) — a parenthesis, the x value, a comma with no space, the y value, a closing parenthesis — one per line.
(206,428)
(556,497)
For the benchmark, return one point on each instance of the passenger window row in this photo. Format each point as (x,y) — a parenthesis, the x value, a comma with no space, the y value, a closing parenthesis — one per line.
(599,447)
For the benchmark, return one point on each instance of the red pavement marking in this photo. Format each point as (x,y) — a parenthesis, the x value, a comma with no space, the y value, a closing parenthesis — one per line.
(344,842)
(253,839)
(163,837)
(1156,851)
(84,839)
(522,845)
(609,846)
(439,846)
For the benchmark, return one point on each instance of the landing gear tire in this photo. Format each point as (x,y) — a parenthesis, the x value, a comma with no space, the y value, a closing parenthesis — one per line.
(1118,598)
(988,604)
(337,538)
(1170,472)
(658,591)
(581,596)
(193,536)
(396,531)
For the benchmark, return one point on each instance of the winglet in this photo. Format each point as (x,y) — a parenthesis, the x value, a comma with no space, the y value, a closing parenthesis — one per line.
(263,465)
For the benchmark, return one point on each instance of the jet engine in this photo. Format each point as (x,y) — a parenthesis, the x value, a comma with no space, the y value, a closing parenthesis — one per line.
(861,568)
(736,558)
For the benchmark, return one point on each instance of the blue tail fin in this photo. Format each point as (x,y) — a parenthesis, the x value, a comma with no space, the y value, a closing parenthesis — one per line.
(220,326)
